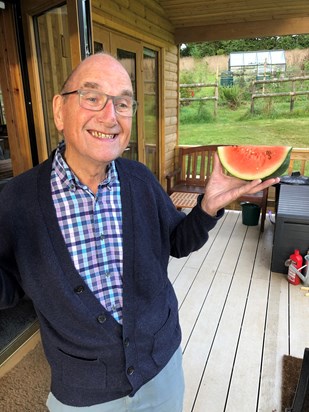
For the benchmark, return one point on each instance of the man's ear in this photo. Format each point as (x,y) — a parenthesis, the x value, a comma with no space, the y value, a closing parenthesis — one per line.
(58,112)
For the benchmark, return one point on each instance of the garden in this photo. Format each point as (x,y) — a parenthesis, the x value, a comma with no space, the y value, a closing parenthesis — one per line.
(275,120)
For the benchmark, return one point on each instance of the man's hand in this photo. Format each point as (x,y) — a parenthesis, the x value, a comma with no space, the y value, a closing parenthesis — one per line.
(221,190)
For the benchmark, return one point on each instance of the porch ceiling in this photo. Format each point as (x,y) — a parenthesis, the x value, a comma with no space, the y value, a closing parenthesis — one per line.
(202,20)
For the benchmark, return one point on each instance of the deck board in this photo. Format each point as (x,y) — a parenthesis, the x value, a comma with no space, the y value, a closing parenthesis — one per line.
(252,334)
(299,315)
(238,320)
(276,344)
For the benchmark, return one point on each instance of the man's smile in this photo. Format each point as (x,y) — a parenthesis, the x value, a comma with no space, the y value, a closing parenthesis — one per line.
(101,135)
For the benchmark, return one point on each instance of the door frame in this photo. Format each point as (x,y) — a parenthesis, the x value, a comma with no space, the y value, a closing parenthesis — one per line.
(12,85)
(30,9)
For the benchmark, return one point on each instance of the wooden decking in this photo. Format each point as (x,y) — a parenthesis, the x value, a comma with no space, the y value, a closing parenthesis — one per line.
(238,320)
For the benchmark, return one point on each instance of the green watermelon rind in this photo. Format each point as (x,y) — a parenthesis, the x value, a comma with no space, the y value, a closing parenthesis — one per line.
(279,172)
(276,171)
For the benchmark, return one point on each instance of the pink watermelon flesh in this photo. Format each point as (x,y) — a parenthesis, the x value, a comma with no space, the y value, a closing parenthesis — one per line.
(255,162)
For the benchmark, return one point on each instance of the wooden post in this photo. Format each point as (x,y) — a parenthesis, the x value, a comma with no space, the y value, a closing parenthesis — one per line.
(292,100)
(201,99)
(293,93)
(252,97)
(265,68)
(216,93)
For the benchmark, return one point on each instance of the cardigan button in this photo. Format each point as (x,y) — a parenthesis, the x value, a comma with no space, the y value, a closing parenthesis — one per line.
(130,370)
(101,318)
(79,289)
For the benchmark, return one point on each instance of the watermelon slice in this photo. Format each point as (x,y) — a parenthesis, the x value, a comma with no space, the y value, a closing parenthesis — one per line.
(255,162)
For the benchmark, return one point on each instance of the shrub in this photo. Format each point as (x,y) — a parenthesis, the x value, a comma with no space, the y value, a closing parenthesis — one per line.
(220,52)
(232,96)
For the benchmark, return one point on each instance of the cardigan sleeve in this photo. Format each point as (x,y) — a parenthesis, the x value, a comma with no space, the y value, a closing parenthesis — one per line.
(193,231)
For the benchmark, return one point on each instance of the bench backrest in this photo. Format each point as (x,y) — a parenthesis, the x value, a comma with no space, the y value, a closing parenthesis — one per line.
(196,163)
(299,161)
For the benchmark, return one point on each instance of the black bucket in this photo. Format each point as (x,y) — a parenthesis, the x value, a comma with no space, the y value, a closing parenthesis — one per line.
(250,213)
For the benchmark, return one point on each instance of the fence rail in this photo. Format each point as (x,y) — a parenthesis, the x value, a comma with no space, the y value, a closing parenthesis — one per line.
(213,98)
(293,93)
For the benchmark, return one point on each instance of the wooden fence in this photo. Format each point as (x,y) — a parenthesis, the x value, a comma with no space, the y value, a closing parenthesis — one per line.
(213,98)
(292,93)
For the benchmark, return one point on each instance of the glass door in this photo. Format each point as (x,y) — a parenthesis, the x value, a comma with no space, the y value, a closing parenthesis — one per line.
(129,53)
(151,109)
(128,60)
(142,65)
(54,62)
(101,39)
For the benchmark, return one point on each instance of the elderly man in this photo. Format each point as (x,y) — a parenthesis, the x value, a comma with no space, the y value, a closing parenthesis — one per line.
(87,236)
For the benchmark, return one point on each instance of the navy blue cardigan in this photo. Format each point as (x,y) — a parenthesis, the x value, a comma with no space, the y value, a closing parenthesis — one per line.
(93,359)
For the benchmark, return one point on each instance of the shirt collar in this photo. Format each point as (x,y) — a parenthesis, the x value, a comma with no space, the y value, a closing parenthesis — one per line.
(68,177)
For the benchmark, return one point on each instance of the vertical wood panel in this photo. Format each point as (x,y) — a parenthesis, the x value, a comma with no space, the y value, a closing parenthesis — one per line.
(13,94)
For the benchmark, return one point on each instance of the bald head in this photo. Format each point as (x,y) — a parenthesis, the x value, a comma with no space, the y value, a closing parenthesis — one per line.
(103,62)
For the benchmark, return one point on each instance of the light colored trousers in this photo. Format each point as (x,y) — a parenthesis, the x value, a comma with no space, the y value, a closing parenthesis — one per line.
(164,393)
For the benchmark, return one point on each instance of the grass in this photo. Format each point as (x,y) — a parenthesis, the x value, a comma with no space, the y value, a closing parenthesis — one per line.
(271,124)
(236,127)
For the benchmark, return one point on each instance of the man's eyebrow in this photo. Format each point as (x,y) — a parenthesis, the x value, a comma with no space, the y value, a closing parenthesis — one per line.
(91,85)
(94,85)
(126,92)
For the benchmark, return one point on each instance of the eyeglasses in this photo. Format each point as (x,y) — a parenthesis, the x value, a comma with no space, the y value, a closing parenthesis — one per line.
(96,101)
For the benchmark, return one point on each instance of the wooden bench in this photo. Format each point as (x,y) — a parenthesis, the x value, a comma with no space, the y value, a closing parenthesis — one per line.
(299,161)
(194,166)
(184,200)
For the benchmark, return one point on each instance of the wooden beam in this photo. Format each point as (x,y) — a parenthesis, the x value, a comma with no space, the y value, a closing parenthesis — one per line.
(242,30)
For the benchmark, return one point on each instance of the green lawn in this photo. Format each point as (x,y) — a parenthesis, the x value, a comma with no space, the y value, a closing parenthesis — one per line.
(229,129)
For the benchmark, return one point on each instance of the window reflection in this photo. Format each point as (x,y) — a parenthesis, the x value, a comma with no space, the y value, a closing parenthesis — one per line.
(53,49)
(151,109)
(6,171)
(128,60)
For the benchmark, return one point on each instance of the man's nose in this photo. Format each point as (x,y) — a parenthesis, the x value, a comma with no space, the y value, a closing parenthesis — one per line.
(108,112)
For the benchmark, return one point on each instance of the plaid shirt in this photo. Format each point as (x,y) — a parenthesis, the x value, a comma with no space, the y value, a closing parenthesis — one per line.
(92,229)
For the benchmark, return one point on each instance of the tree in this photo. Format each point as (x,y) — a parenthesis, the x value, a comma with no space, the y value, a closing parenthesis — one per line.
(199,50)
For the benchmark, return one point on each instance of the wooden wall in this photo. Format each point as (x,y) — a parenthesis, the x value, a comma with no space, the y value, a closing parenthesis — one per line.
(171,88)
(13,94)
(146,21)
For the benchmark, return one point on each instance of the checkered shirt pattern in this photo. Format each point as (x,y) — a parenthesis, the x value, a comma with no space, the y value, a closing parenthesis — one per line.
(92,229)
